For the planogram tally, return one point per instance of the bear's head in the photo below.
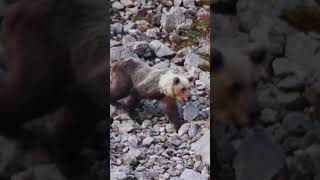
(176, 86)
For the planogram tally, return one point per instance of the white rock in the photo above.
(202, 147)
(189, 174)
(148, 140)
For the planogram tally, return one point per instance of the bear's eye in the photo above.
(183, 89)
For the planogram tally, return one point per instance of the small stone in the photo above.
(296, 123)
(193, 60)
(146, 124)
(167, 3)
(188, 3)
(190, 112)
(189, 174)
(175, 140)
(202, 147)
(148, 140)
(268, 116)
(205, 173)
(291, 83)
(118, 175)
(133, 141)
(117, 5)
(117, 28)
(127, 3)
(177, 2)
(126, 127)
(152, 32)
(160, 49)
(193, 130)
(115, 124)
(183, 129)
(174, 17)
(314, 155)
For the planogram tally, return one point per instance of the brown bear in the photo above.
(57, 62)
(235, 76)
(136, 80)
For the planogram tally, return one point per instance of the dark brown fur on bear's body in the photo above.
(57, 63)
(123, 74)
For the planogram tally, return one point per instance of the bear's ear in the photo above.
(176, 80)
(190, 78)
(216, 60)
(256, 55)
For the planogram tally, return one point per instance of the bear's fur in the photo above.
(136, 80)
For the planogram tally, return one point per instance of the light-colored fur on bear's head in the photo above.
(175, 86)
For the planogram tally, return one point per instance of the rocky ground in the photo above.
(164, 34)
(288, 129)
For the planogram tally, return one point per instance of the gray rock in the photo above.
(146, 124)
(171, 19)
(292, 143)
(176, 178)
(190, 112)
(133, 141)
(114, 43)
(193, 60)
(313, 153)
(122, 52)
(189, 174)
(183, 129)
(126, 127)
(202, 147)
(161, 65)
(167, 3)
(193, 130)
(147, 141)
(280, 134)
(127, 3)
(175, 140)
(311, 137)
(117, 5)
(296, 123)
(268, 33)
(288, 99)
(116, 28)
(205, 173)
(291, 83)
(268, 116)
(128, 26)
(284, 67)
(160, 49)
(188, 3)
(177, 2)
(153, 32)
(301, 49)
(262, 162)
(131, 155)
(205, 78)
(118, 175)
(141, 48)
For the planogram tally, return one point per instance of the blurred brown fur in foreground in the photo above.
(57, 63)
(235, 76)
